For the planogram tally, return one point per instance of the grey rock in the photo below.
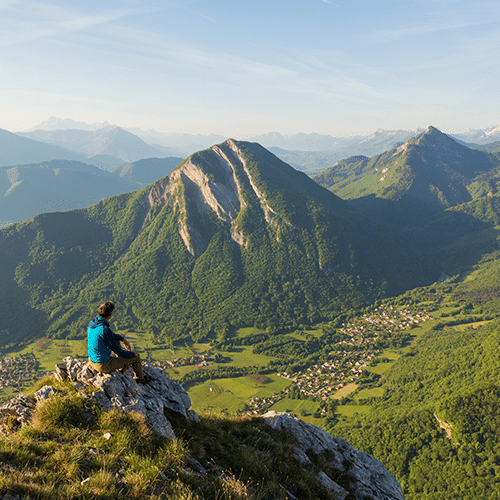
(21, 407)
(340, 493)
(45, 392)
(360, 475)
(154, 399)
(160, 424)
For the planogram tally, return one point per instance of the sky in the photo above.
(243, 68)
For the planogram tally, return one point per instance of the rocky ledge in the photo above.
(159, 396)
(349, 474)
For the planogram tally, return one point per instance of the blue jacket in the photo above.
(101, 341)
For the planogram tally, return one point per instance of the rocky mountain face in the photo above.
(346, 474)
(360, 474)
(233, 236)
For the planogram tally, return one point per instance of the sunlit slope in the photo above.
(406, 185)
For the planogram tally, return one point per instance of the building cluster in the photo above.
(17, 370)
(321, 381)
(200, 360)
(385, 320)
(351, 355)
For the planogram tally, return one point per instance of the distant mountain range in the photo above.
(17, 150)
(233, 236)
(289, 142)
(62, 185)
(480, 136)
(104, 147)
(54, 123)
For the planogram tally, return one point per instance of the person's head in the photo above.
(105, 310)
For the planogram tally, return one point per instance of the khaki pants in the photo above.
(120, 364)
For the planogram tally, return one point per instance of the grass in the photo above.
(474, 325)
(369, 393)
(64, 454)
(350, 410)
(381, 368)
(53, 352)
(302, 408)
(245, 332)
(231, 394)
(345, 391)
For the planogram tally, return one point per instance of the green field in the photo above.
(369, 393)
(302, 408)
(231, 394)
(350, 410)
(381, 368)
(345, 391)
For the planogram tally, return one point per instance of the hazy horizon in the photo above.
(216, 67)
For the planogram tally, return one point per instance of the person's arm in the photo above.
(112, 342)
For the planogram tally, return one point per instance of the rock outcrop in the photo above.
(154, 399)
(120, 391)
(350, 473)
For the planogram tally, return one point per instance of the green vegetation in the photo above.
(431, 173)
(304, 316)
(307, 258)
(65, 454)
(449, 377)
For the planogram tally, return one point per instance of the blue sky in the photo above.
(245, 68)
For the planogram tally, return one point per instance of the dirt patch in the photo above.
(260, 379)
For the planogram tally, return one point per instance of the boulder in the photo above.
(350, 473)
(21, 407)
(155, 399)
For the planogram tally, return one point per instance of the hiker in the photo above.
(101, 340)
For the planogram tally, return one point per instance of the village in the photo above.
(200, 360)
(352, 355)
(359, 346)
(17, 371)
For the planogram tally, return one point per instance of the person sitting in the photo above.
(101, 341)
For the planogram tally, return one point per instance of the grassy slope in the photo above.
(64, 454)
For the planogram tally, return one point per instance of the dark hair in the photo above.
(106, 309)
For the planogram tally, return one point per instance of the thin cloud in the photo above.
(413, 30)
(293, 76)
(52, 20)
(198, 14)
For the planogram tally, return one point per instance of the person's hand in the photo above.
(127, 345)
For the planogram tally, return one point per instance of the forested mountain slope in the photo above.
(233, 236)
(146, 171)
(435, 422)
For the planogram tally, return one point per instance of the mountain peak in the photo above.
(54, 123)
(432, 138)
